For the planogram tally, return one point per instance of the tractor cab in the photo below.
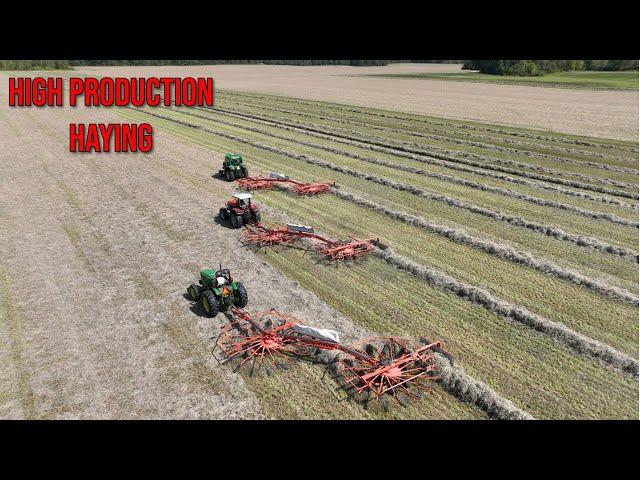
(218, 291)
(240, 200)
(232, 160)
(233, 167)
(223, 277)
(240, 211)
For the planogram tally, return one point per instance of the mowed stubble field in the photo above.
(539, 221)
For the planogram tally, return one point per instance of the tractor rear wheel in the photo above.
(210, 303)
(194, 292)
(234, 221)
(238, 222)
(230, 175)
(241, 297)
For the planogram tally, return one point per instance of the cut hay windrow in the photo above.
(446, 178)
(431, 161)
(449, 139)
(557, 331)
(466, 161)
(498, 250)
(430, 121)
(460, 236)
(548, 230)
(445, 133)
(422, 149)
(454, 379)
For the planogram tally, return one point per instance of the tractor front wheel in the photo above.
(256, 217)
(236, 221)
(210, 304)
(241, 297)
(194, 292)
(224, 215)
(230, 175)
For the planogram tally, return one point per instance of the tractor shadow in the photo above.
(223, 223)
(196, 307)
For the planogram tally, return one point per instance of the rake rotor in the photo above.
(276, 180)
(391, 368)
(259, 339)
(329, 250)
(345, 250)
(378, 368)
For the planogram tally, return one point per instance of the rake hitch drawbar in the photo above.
(378, 368)
(275, 180)
(330, 250)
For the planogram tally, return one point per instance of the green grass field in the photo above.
(588, 80)
(540, 375)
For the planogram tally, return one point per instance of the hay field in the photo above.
(517, 248)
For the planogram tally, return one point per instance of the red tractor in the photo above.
(240, 211)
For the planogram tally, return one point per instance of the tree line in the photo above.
(66, 64)
(34, 65)
(542, 67)
(227, 62)
(494, 67)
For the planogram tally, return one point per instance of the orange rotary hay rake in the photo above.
(379, 368)
(328, 250)
(276, 180)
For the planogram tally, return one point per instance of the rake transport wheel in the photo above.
(210, 304)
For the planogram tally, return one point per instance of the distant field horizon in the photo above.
(595, 113)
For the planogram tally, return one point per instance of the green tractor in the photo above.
(233, 167)
(218, 291)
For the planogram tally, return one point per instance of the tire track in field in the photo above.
(499, 250)
(548, 230)
(556, 331)
(443, 163)
(498, 130)
(392, 149)
(446, 178)
(448, 139)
